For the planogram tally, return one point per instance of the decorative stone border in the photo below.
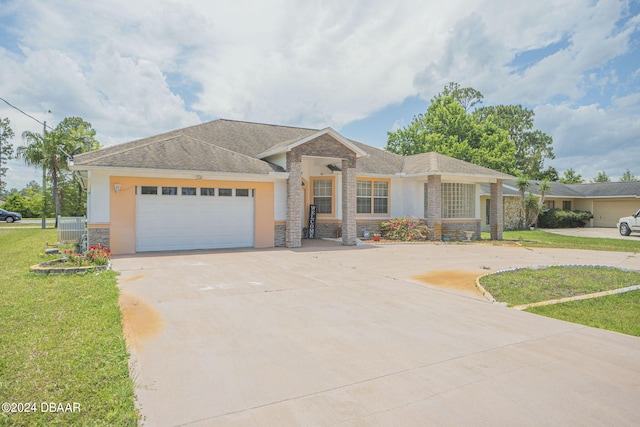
(491, 299)
(49, 267)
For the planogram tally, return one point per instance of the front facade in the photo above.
(228, 184)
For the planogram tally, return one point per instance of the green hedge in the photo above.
(558, 218)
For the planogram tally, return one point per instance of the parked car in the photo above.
(9, 216)
(628, 224)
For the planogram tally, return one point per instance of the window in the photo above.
(372, 196)
(566, 205)
(207, 191)
(363, 196)
(550, 204)
(225, 192)
(323, 195)
(458, 200)
(242, 192)
(145, 189)
(487, 207)
(188, 191)
(169, 191)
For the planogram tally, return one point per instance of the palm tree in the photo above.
(543, 187)
(522, 183)
(47, 151)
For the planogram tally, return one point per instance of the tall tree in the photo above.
(571, 177)
(447, 129)
(499, 137)
(80, 133)
(533, 147)
(602, 177)
(47, 150)
(6, 150)
(543, 187)
(52, 150)
(467, 97)
(626, 177)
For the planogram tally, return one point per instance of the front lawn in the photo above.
(61, 341)
(619, 312)
(544, 239)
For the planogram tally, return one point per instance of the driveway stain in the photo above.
(451, 279)
(140, 321)
(132, 278)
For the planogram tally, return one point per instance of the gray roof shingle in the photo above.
(233, 146)
(558, 189)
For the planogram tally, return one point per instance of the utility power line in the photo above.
(26, 114)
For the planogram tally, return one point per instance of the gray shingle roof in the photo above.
(233, 146)
(445, 165)
(558, 189)
(177, 152)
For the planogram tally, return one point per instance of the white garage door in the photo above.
(181, 218)
(606, 213)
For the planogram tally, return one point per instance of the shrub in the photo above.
(558, 218)
(405, 229)
(95, 255)
(98, 255)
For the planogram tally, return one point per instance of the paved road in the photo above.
(327, 335)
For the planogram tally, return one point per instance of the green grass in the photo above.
(619, 312)
(544, 239)
(61, 340)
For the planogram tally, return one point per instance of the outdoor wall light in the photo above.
(116, 188)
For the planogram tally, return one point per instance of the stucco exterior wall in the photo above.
(122, 212)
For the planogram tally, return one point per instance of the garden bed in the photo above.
(63, 266)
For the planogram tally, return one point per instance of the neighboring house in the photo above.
(607, 201)
(227, 184)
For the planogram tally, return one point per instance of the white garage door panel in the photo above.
(607, 213)
(193, 222)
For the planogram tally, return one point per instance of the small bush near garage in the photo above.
(558, 218)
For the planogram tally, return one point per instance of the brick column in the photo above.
(349, 230)
(497, 217)
(293, 231)
(434, 206)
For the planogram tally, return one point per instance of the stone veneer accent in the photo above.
(434, 206)
(456, 230)
(497, 214)
(370, 226)
(349, 227)
(280, 238)
(512, 208)
(98, 236)
(294, 201)
(323, 146)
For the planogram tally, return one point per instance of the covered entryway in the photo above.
(607, 213)
(183, 218)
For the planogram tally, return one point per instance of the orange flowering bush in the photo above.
(95, 255)
(405, 228)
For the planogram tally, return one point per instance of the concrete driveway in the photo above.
(595, 232)
(327, 335)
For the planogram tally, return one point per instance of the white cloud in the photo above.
(121, 64)
(591, 139)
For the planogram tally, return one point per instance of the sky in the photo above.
(136, 68)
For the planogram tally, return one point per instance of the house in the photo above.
(229, 184)
(607, 201)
